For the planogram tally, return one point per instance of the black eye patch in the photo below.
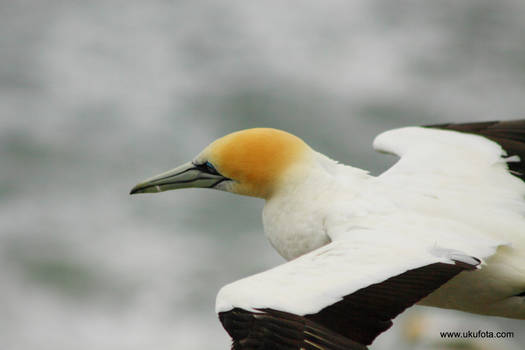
(211, 169)
(207, 168)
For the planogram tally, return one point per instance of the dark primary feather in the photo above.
(351, 323)
(510, 135)
(276, 330)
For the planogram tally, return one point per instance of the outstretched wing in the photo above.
(510, 135)
(472, 171)
(481, 153)
(340, 296)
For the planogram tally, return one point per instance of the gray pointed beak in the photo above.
(185, 176)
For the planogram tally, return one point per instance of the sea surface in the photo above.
(96, 96)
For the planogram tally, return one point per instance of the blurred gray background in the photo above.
(97, 95)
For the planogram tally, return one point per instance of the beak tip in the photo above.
(136, 189)
(145, 188)
(184, 176)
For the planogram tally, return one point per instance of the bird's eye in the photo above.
(211, 169)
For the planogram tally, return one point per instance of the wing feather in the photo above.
(510, 135)
(351, 323)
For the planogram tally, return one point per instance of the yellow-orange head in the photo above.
(257, 160)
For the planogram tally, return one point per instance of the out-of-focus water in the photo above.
(97, 95)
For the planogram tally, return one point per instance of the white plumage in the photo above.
(450, 199)
(449, 190)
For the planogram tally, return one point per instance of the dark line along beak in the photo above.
(185, 176)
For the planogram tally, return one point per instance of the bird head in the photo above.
(252, 162)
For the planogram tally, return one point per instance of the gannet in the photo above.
(444, 227)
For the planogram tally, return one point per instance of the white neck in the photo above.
(292, 218)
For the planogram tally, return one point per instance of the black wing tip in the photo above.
(468, 265)
(480, 126)
(279, 330)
